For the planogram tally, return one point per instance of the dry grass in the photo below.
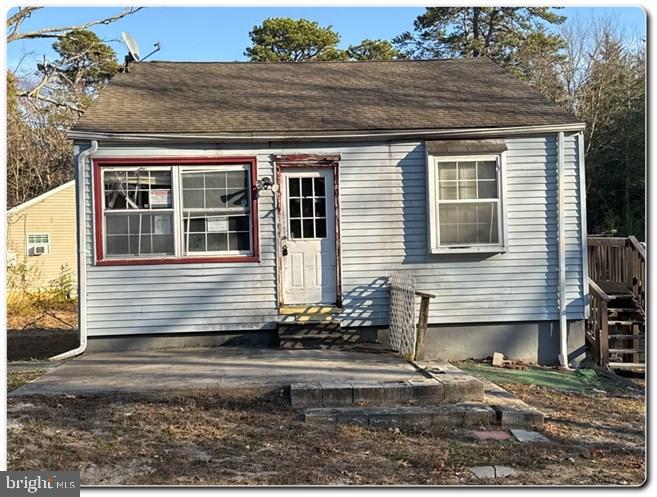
(17, 379)
(41, 328)
(43, 314)
(214, 440)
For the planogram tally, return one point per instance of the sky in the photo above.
(222, 33)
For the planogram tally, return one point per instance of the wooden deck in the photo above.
(617, 286)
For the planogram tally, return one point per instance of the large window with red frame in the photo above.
(176, 211)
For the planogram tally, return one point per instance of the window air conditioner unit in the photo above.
(39, 250)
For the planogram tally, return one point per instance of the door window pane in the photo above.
(307, 215)
(295, 207)
(308, 228)
(307, 187)
(320, 228)
(320, 207)
(307, 207)
(319, 187)
(295, 228)
(294, 188)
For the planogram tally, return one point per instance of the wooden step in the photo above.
(622, 309)
(627, 351)
(628, 365)
(612, 322)
(627, 337)
(617, 296)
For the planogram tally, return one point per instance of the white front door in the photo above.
(308, 244)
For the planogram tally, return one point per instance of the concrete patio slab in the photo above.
(189, 370)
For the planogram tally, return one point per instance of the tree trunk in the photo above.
(475, 29)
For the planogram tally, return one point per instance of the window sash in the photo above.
(38, 238)
(437, 201)
(226, 212)
(147, 236)
(177, 212)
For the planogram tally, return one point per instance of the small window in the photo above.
(38, 244)
(466, 206)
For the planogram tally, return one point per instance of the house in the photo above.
(42, 233)
(218, 198)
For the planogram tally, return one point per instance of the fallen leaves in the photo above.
(210, 440)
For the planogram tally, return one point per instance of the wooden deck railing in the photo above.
(597, 325)
(618, 264)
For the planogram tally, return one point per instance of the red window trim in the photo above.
(171, 161)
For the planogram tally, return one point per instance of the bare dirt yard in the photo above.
(41, 333)
(594, 438)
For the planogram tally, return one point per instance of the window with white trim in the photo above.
(466, 203)
(38, 244)
(176, 211)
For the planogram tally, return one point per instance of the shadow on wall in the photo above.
(549, 342)
(366, 304)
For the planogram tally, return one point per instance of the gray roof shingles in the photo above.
(243, 97)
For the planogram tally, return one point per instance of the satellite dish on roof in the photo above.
(133, 48)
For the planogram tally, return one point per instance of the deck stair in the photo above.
(616, 328)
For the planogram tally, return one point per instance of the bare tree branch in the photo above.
(14, 22)
(17, 19)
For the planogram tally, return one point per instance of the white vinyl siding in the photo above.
(383, 226)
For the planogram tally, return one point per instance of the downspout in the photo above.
(563, 322)
(82, 255)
